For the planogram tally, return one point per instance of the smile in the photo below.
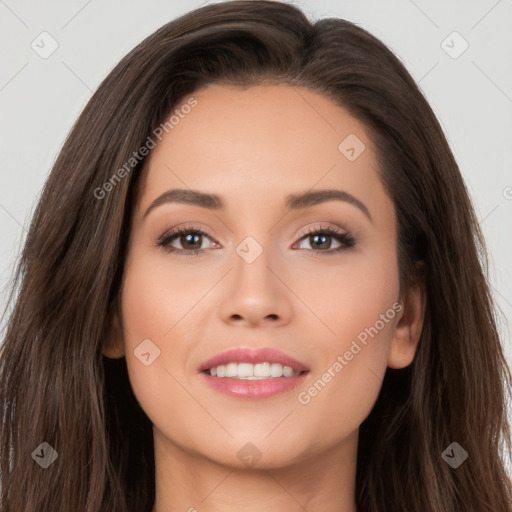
(253, 373)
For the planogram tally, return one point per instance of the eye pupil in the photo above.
(323, 237)
(190, 238)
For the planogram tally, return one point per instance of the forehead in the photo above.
(261, 143)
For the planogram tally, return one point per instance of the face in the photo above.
(316, 279)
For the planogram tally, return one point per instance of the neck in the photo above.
(189, 482)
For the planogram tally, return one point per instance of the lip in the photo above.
(254, 356)
(253, 389)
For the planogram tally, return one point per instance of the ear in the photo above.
(409, 325)
(113, 346)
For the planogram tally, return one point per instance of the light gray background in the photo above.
(471, 94)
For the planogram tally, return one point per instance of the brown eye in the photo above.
(320, 240)
(190, 241)
(183, 240)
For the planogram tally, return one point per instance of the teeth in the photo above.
(231, 369)
(262, 370)
(251, 371)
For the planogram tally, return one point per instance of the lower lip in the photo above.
(254, 389)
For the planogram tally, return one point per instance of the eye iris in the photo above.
(190, 239)
(323, 237)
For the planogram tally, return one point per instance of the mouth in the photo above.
(253, 373)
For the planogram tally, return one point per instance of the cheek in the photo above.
(155, 303)
(359, 306)
(152, 306)
(155, 299)
(348, 296)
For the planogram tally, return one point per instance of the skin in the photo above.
(253, 147)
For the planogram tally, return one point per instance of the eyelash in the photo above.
(346, 239)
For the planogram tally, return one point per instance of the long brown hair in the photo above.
(57, 387)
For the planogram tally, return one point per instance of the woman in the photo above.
(184, 333)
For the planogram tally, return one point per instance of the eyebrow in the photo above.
(293, 201)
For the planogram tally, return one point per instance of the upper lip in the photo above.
(257, 355)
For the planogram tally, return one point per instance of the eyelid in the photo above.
(317, 228)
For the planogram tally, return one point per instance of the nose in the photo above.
(257, 294)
